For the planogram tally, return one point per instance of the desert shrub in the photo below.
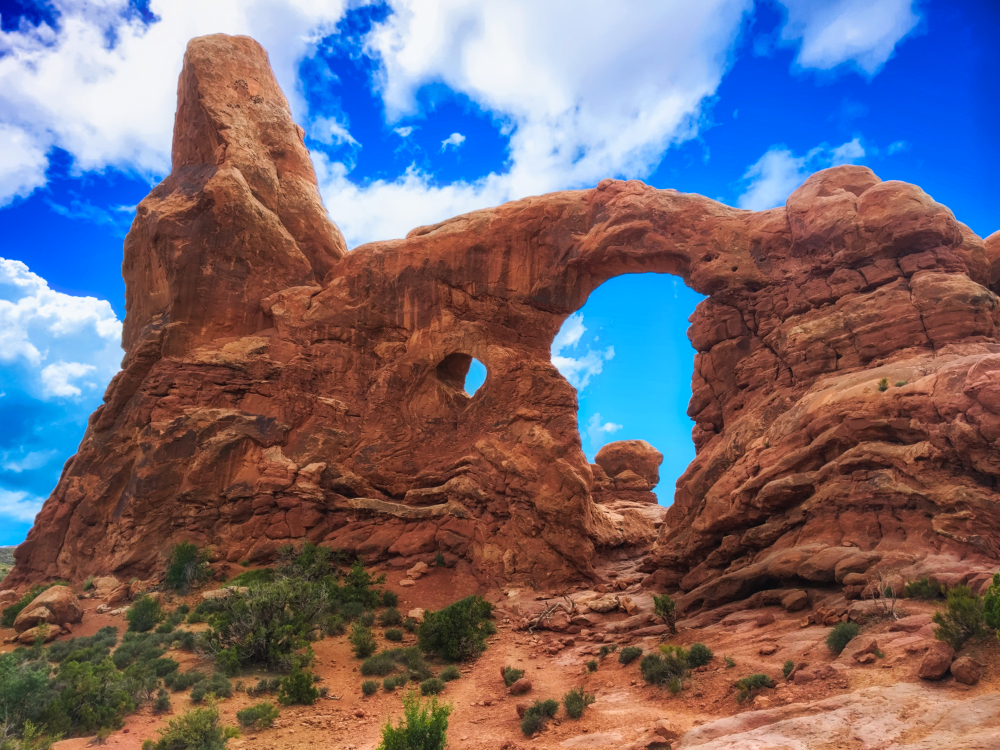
(924, 589)
(439, 560)
(253, 577)
(991, 605)
(88, 584)
(592, 665)
(162, 703)
(900, 383)
(188, 566)
(963, 619)
(94, 648)
(537, 715)
(432, 686)
(575, 701)
(216, 685)
(298, 688)
(747, 687)
(699, 655)
(265, 625)
(178, 681)
(10, 613)
(390, 616)
(410, 625)
(511, 675)
(24, 691)
(380, 664)
(729, 661)
(412, 660)
(352, 610)
(88, 697)
(390, 683)
(606, 649)
(357, 588)
(787, 667)
(423, 726)
(335, 625)
(260, 716)
(369, 687)
(265, 685)
(883, 384)
(841, 635)
(629, 654)
(198, 729)
(660, 669)
(311, 563)
(204, 610)
(666, 608)
(367, 619)
(362, 641)
(449, 673)
(390, 598)
(394, 634)
(457, 632)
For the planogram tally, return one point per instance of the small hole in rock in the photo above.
(463, 372)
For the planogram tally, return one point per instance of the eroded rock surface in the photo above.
(277, 388)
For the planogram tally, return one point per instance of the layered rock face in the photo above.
(277, 388)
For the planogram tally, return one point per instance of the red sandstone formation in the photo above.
(276, 388)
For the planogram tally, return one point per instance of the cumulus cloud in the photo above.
(332, 132)
(862, 33)
(779, 171)
(19, 505)
(599, 433)
(580, 369)
(101, 83)
(64, 342)
(403, 132)
(454, 141)
(584, 90)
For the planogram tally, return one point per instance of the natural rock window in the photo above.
(462, 372)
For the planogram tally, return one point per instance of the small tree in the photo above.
(459, 631)
(964, 618)
(187, 567)
(298, 688)
(362, 641)
(666, 608)
(423, 726)
(143, 615)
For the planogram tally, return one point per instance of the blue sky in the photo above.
(416, 111)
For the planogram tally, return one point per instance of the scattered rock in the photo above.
(603, 604)
(865, 646)
(936, 661)
(667, 730)
(417, 614)
(407, 582)
(418, 570)
(628, 606)
(795, 600)
(768, 649)
(965, 670)
(910, 624)
(763, 620)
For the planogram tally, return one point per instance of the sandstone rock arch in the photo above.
(278, 388)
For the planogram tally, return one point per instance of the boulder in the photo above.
(407, 582)
(628, 606)
(520, 687)
(30, 617)
(603, 604)
(522, 708)
(764, 620)
(667, 730)
(936, 662)
(910, 624)
(637, 456)
(29, 636)
(865, 646)
(8, 597)
(795, 600)
(418, 570)
(119, 594)
(417, 614)
(61, 603)
(965, 670)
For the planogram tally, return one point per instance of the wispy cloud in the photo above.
(19, 505)
(452, 141)
(779, 171)
(599, 433)
(580, 369)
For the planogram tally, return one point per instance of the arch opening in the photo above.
(462, 372)
(627, 354)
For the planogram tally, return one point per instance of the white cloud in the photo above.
(59, 337)
(584, 90)
(863, 33)
(598, 433)
(779, 171)
(330, 131)
(19, 505)
(28, 462)
(112, 104)
(403, 132)
(897, 146)
(578, 370)
(454, 140)
(22, 163)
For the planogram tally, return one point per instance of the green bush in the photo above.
(252, 577)
(89, 697)
(457, 632)
(335, 625)
(369, 687)
(747, 687)
(298, 688)
(88, 584)
(991, 605)
(666, 608)
(264, 685)
(410, 625)
(412, 660)
(439, 560)
(198, 729)
(358, 588)
(730, 662)
(394, 634)
(10, 613)
(261, 716)
(575, 701)
(390, 598)
(367, 619)
(660, 669)
(592, 665)
(699, 655)
(883, 384)
(379, 664)
(537, 715)
(924, 589)
(511, 675)
(362, 641)
(216, 685)
(450, 673)
(432, 686)
(787, 667)
(603, 651)
(963, 619)
(841, 635)
(178, 681)
(390, 616)
(162, 703)
(94, 648)
(390, 683)
(24, 691)
(265, 625)
(187, 567)
(423, 726)
(352, 610)
(629, 654)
